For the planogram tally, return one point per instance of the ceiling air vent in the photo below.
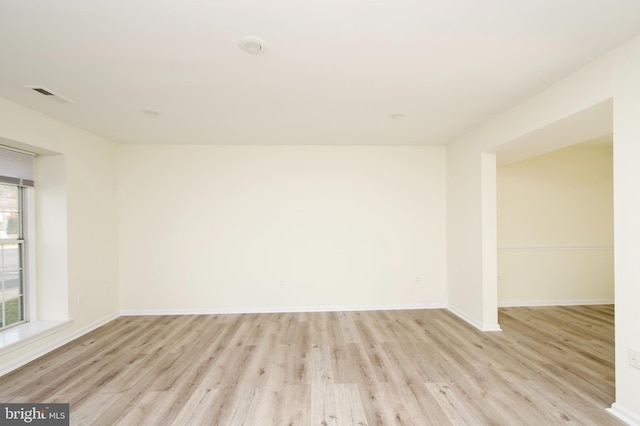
(46, 92)
(43, 91)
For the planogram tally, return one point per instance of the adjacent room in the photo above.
(555, 227)
(331, 213)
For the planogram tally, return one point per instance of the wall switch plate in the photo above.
(634, 358)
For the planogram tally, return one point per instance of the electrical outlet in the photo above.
(634, 358)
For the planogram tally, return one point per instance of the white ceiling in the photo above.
(333, 71)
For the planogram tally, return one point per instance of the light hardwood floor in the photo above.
(551, 365)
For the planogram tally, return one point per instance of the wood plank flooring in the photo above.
(550, 365)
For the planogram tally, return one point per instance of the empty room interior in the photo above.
(368, 213)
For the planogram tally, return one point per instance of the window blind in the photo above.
(16, 167)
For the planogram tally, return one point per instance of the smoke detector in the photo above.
(252, 44)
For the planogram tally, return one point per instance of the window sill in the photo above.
(24, 334)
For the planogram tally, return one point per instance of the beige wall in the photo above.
(76, 220)
(221, 228)
(626, 177)
(555, 228)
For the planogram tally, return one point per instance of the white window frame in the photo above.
(21, 241)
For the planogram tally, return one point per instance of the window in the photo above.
(11, 256)
(16, 175)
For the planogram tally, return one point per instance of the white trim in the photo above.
(623, 414)
(573, 302)
(491, 327)
(555, 248)
(29, 234)
(473, 322)
(286, 309)
(54, 345)
(64, 324)
(24, 334)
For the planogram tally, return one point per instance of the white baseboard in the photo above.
(625, 415)
(286, 309)
(571, 302)
(473, 322)
(7, 368)
(25, 359)
(491, 327)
